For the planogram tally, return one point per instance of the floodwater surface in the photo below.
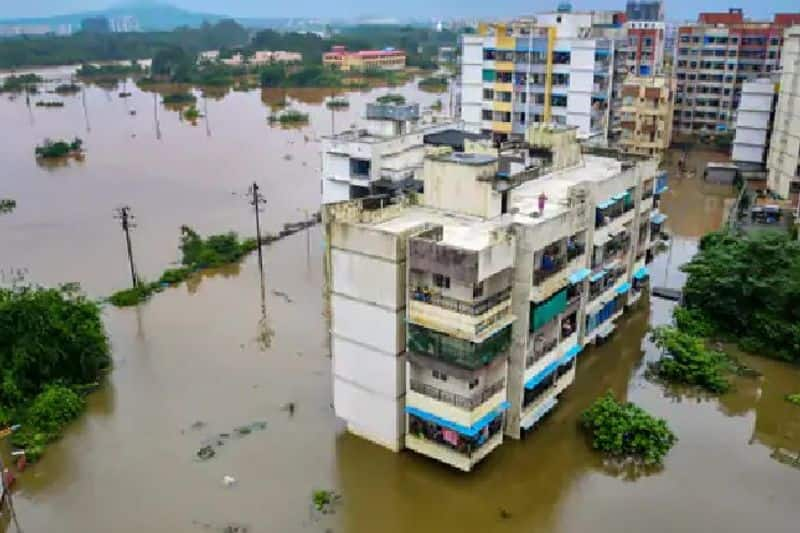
(212, 355)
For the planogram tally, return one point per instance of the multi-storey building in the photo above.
(549, 68)
(715, 56)
(754, 122)
(644, 10)
(481, 293)
(341, 58)
(784, 153)
(646, 115)
(643, 47)
(383, 157)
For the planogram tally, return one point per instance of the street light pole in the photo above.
(126, 218)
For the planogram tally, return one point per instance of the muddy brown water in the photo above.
(193, 354)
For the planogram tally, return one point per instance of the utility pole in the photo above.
(256, 201)
(126, 218)
(6, 495)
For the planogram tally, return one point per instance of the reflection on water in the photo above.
(223, 353)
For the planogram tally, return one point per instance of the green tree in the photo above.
(747, 287)
(687, 360)
(625, 430)
(48, 336)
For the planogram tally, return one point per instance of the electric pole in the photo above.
(126, 218)
(256, 201)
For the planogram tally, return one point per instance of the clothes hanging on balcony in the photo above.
(450, 436)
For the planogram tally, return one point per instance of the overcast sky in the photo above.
(676, 9)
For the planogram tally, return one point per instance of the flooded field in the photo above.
(210, 356)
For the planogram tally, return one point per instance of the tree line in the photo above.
(421, 44)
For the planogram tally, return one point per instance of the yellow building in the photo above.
(647, 105)
(342, 59)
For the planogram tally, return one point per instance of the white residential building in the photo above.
(784, 154)
(382, 157)
(754, 121)
(456, 316)
(549, 68)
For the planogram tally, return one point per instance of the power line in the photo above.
(257, 200)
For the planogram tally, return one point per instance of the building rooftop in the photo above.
(466, 158)
(452, 137)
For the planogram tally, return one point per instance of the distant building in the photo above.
(260, 57)
(714, 57)
(10, 30)
(644, 48)
(647, 104)
(124, 24)
(644, 10)
(96, 25)
(342, 59)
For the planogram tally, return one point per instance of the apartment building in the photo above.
(784, 152)
(549, 68)
(341, 58)
(481, 293)
(383, 157)
(643, 47)
(754, 122)
(715, 56)
(646, 115)
(649, 10)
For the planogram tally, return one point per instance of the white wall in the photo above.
(334, 191)
(368, 278)
(752, 119)
(373, 417)
(743, 152)
(368, 324)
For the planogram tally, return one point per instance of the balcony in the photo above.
(456, 351)
(469, 403)
(462, 458)
(473, 321)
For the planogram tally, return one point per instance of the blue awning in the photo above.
(579, 275)
(658, 218)
(541, 411)
(541, 376)
(662, 189)
(641, 273)
(606, 204)
(570, 354)
(619, 196)
(597, 276)
(471, 431)
(625, 287)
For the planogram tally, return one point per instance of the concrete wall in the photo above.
(454, 187)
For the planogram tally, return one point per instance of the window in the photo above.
(486, 114)
(477, 290)
(473, 383)
(441, 281)
(488, 94)
(439, 375)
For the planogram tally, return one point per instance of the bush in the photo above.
(625, 430)
(794, 398)
(687, 360)
(173, 276)
(180, 98)
(132, 296)
(214, 251)
(48, 336)
(747, 287)
(7, 205)
(392, 98)
(43, 421)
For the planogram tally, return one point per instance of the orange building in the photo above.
(342, 59)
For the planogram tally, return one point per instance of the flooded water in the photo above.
(196, 354)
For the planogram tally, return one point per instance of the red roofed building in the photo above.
(714, 57)
(342, 59)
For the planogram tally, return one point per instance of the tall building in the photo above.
(456, 316)
(646, 115)
(784, 153)
(643, 47)
(650, 10)
(549, 68)
(754, 123)
(383, 157)
(97, 24)
(715, 56)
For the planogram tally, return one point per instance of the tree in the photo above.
(626, 431)
(48, 336)
(747, 287)
(172, 63)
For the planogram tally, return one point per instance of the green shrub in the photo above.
(173, 276)
(214, 251)
(391, 98)
(132, 296)
(794, 398)
(53, 408)
(686, 359)
(626, 431)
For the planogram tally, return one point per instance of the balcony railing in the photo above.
(457, 351)
(539, 351)
(464, 402)
(466, 308)
(541, 274)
